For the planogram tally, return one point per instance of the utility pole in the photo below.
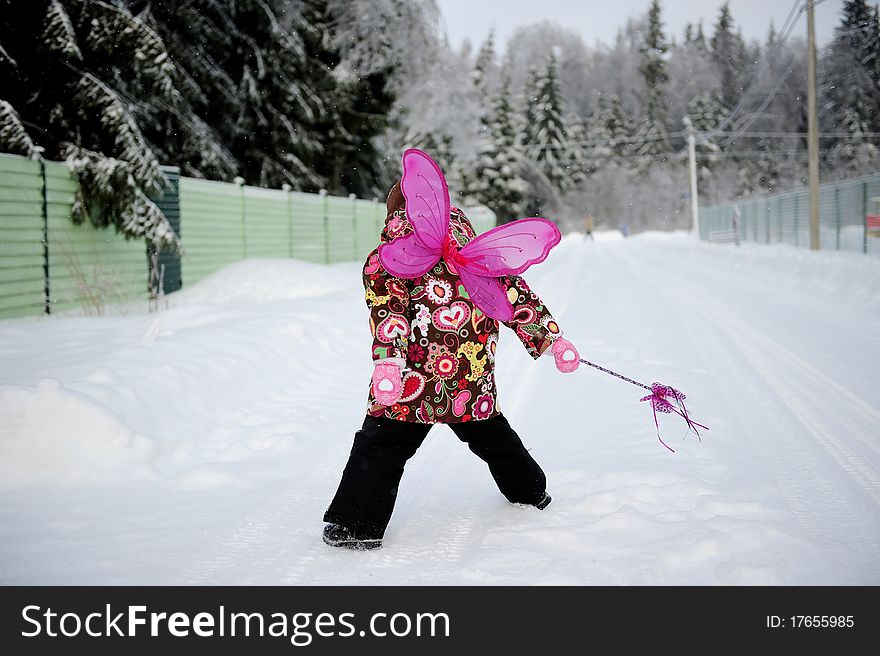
(812, 128)
(692, 170)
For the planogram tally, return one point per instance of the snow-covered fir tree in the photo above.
(706, 112)
(619, 127)
(251, 70)
(498, 183)
(651, 143)
(851, 88)
(530, 98)
(439, 147)
(74, 93)
(578, 162)
(690, 73)
(356, 104)
(694, 37)
(766, 168)
(599, 147)
(373, 40)
(485, 73)
(13, 135)
(203, 145)
(546, 141)
(728, 53)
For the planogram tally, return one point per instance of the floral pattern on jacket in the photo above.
(447, 342)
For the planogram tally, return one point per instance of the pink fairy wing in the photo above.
(510, 249)
(407, 257)
(487, 293)
(427, 198)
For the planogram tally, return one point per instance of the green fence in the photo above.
(48, 264)
(848, 214)
(223, 222)
(22, 253)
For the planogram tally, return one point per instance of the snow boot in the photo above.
(340, 536)
(544, 502)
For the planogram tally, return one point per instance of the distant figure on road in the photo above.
(589, 227)
(624, 229)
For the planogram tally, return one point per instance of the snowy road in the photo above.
(203, 444)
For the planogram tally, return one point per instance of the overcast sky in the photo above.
(599, 20)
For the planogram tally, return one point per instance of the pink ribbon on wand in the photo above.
(661, 398)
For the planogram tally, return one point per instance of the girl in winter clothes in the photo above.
(434, 362)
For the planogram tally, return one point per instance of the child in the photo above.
(434, 362)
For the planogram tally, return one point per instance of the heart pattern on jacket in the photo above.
(451, 318)
(392, 326)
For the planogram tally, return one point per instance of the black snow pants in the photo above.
(365, 498)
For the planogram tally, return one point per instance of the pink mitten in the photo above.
(566, 355)
(387, 382)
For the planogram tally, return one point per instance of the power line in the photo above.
(633, 140)
(796, 134)
(787, 28)
(757, 114)
(678, 155)
(855, 30)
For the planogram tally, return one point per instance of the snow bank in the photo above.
(259, 280)
(144, 392)
(50, 434)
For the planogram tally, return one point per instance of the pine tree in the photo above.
(485, 70)
(70, 89)
(13, 135)
(851, 88)
(482, 77)
(706, 111)
(689, 33)
(767, 168)
(498, 183)
(700, 39)
(352, 108)
(255, 88)
(546, 140)
(650, 135)
(578, 163)
(694, 39)
(196, 146)
(599, 147)
(530, 99)
(772, 38)
(728, 53)
(620, 128)
(365, 102)
(331, 134)
(439, 147)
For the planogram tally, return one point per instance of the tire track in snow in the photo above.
(832, 512)
(798, 489)
(783, 371)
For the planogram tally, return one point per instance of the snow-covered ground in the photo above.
(202, 444)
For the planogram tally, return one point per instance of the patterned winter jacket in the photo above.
(447, 342)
